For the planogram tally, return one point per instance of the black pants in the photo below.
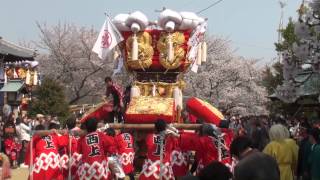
(131, 176)
(116, 114)
(23, 152)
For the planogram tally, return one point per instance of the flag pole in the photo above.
(70, 156)
(110, 19)
(31, 154)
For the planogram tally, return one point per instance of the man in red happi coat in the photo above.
(43, 155)
(94, 148)
(203, 143)
(126, 152)
(154, 141)
(70, 152)
(116, 92)
(180, 159)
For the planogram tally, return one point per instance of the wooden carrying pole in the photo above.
(127, 126)
(151, 126)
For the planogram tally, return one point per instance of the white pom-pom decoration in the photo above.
(139, 18)
(190, 20)
(135, 27)
(169, 15)
(120, 22)
(170, 25)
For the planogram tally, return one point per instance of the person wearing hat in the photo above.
(284, 150)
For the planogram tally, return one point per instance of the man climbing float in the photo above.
(117, 95)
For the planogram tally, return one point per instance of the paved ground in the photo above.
(19, 174)
(22, 174)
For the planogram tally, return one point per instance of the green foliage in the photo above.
(280, 108)
(288, 36)
(49, 99)
(272, 77)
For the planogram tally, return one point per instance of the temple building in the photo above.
(18, 74)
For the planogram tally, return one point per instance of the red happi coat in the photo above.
(207, 148)
(12, 148)
(45, 156)
(203, 145)
(71, 149)
(227, 139)
(180, 160)
(126, 151)
(94, 148)
(151, 166)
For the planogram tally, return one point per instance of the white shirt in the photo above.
(23, 131)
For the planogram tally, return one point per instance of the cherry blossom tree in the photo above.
(231, 83)
(305, 52)
(302, 54)
(66, 56)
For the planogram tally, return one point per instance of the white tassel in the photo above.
(135, 48)
(28, 77)
(15, 75)
(134, 92)
(35, 78)
(199, 53)
(177, 95)
(154, 90)
(170, 49)
(5, 77)
(204, 52)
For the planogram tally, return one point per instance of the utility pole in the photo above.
(282, 4)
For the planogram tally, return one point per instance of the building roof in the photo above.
(13, 52)
(12, 86)
(307, 84)
(310, 84)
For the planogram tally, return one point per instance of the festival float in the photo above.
(158, 54)
(25, 73)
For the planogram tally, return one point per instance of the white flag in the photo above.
(195, 40)
(198, 34)
(108, 38)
